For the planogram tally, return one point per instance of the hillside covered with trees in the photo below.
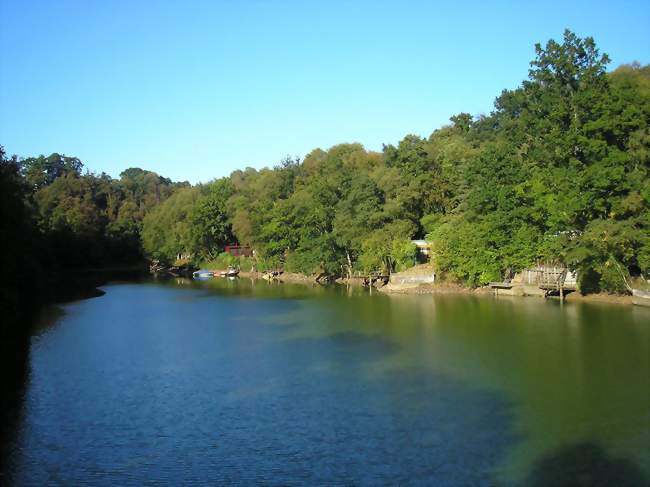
(558, 171)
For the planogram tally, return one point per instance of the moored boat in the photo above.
(640, 298)
(202, 274)
(231, 272)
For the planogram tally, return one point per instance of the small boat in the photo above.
(231, 272)
(640, 298)
(202, 274)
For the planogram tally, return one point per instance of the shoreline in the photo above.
(450, 288)
(444, 288)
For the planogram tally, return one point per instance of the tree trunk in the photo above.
(347, 254)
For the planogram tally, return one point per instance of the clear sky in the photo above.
(194, 90)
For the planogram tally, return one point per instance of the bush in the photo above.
(611, 279)
(404, 254)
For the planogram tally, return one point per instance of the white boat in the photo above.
(230, 273)
(202, 274)
(640, 298)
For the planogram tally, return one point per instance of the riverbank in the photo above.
(423, 279)
(450, 288)
(401, 286)
(290, 277)
(446, 287)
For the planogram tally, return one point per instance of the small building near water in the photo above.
(415, 276)
(543, 274)
(423, 249)
(239, 250)
(542, 280)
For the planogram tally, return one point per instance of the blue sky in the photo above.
(194, 90)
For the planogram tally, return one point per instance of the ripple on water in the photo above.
(156, 385)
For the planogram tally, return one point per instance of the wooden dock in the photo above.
(550, 279)
(557, 279)
(500, 285)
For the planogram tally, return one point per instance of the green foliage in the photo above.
(431, 222)
(220, 262)
(54, 219)
(561, 174)
(404, 253)
(465, 250)
(557, 172)
(389, 248)
(605, 252)
(18, 244)
(42, 171)
(167, 228)
(210, 229)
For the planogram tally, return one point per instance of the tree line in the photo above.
(55, 218)
(557, 172)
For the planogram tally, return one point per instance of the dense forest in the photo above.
(558, 171)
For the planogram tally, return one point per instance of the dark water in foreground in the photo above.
(228, 382)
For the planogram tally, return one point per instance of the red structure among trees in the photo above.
(239, 250)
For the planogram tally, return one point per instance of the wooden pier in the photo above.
(551, 279)
(500, 285)
(557, 279)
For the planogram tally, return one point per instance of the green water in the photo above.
(575, 373)
(287, 384)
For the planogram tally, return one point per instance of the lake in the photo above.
(246, 382)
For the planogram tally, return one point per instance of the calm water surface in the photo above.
(240, 382)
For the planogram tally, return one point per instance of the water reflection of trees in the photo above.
(14, 377)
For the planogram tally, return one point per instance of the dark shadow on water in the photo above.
(399, 426)
(584, 465)
(15, 354)
(65, 295)
(14, 377)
